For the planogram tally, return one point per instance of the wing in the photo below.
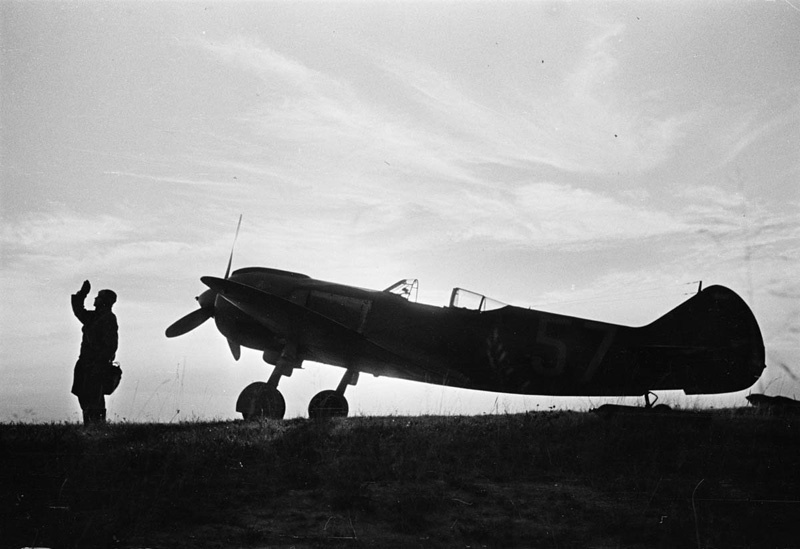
(324, 336)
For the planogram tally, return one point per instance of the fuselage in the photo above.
(510, 349)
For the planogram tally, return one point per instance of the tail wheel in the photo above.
(328, 404)
(258, 400)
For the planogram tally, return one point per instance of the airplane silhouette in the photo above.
(711, 343)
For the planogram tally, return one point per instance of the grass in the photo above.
(551, 479)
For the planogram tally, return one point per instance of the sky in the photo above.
(595, 159)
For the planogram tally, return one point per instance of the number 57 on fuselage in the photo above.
(711, 343)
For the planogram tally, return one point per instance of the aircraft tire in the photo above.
(326, 404)
(259, 401)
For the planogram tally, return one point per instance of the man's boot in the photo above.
(94, 417)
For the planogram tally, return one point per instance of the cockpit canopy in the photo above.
(464, 299)
(460, 298)
(405, 288)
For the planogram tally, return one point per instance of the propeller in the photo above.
(230, 259)
(195, 318)
(236, 350)
(189, 322)
(206, 310)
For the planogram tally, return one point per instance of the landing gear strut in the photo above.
(330, 403)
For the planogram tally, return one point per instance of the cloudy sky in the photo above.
(591, 159)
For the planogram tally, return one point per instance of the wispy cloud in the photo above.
(476, 132)
(40, 232)
(309, 119)
(745, 126)
(363, 174)
(545, 214)
(171, 180)
(251, 55)
(590, 125)
(612, 129)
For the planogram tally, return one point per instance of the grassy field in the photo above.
(727, 478)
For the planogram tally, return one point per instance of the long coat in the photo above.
(98, 347)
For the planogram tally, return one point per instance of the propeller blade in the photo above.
(236, 350)
(230, 259)
(189, 322)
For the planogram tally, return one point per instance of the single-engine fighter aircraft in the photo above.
(709, 344)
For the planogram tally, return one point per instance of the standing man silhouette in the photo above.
(98, 348)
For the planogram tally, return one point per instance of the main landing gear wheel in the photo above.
(259, 400)
(328, 404)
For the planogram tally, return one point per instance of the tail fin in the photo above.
(712, 342)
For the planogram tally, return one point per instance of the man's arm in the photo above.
(77, 302)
